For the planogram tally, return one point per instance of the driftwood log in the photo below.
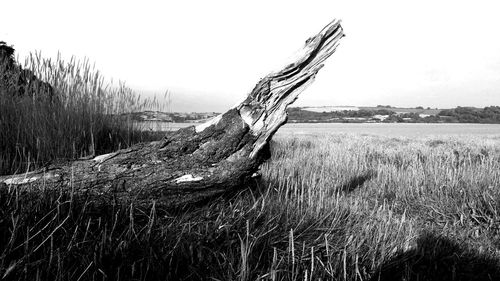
(197, 162)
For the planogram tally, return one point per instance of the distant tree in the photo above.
(432, 119)
(393, 119)
(411, 117)
(446, 112)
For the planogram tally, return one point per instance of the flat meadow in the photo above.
(326, 207)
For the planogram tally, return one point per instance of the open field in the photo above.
(410, 130)
(384, 129)
(327, 207)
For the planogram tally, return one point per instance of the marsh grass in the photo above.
(338, 207)
(82, 117)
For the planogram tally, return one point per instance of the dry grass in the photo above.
(81, 118)
(339, 207)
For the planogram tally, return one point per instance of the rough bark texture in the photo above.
(193, 163)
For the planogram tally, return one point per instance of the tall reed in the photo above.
(83, 115)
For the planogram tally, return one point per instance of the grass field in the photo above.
(327, 207)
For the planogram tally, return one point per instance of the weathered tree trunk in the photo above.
(193, 163)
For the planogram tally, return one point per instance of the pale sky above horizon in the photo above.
(210, 54)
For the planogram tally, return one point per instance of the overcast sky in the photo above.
(210, 54)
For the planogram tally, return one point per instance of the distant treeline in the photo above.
(298, 115)
(175, 117)
(489, 114)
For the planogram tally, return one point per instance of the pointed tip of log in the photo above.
(276, 91)
(264, 109)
